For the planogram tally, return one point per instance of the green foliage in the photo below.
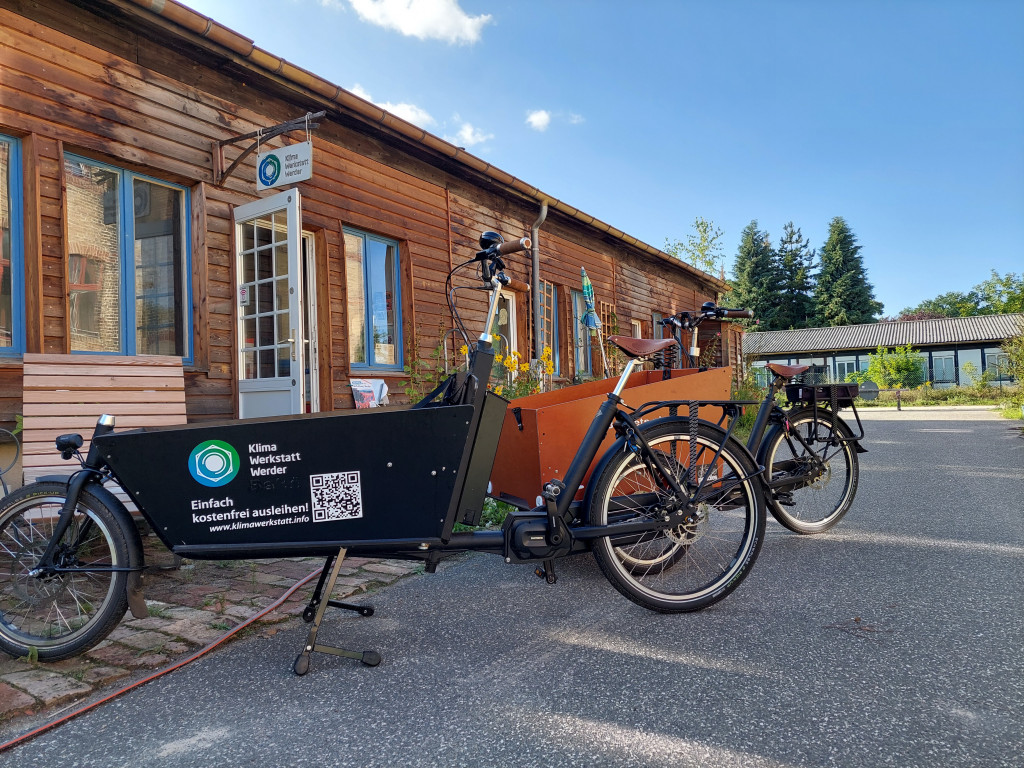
(756, 278)
(1014, 349)
(899, 368)
(425, 374)
(999, 295)
(748, 389)
(795, 262)
(702, 248)
(843, 295)
(492, 516)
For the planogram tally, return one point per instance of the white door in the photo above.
(270, 316)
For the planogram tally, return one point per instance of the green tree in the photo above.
(1014, 349)
(951, 304)
(842, 294)
(795, 262)
(756, 280)
(998, 295)
(702, 248)
(899, 368)
(1001, 295)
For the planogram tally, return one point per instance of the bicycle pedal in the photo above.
(547, 572)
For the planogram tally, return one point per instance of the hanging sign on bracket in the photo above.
(284, 166)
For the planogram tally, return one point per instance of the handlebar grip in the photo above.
(514, 246)
(735, 312)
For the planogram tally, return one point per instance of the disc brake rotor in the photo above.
(695, 526)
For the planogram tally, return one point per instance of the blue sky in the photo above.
(904, 117)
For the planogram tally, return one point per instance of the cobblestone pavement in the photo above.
(190, 606)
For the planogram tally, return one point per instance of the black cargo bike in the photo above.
(674, 512)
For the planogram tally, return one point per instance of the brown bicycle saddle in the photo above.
(640, 347)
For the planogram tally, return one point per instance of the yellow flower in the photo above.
(524, 367)
(510, 363)
(497, 390)
(546, 354)
(463, 350)
(498, 358)
(549, 368)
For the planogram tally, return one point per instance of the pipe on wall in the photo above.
(538, 338)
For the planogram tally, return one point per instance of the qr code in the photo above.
(336, 496)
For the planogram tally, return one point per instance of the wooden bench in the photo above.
(67, 393)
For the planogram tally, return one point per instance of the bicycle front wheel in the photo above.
(686, 566)
(66, 612)
(813, 471)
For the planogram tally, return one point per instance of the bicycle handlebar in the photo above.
(725, 312)
(513, 246)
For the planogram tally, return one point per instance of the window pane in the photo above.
(381, 266)
(6, 254)
(94, 264)
(159, 269)
(355, 299)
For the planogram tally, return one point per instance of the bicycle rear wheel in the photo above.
(64, 613)
(687, 566)
(821, 493)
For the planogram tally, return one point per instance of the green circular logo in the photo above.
(269, 170)
(213, 463)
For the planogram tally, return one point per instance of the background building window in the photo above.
(999, 365)
(943, 370)
(549, 321)
(12, 293)
(580, 336)
(128, 265)
(374, 301)
(635, 329)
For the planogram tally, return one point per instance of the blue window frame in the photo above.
(580, 335)
(373, 295)
(12, 252)
(129, 264)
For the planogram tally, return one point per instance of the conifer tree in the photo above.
(756, 280)
(842, 293)
(795, 265)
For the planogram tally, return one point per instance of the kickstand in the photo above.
(314, 612)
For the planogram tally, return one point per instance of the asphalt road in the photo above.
(897, 639)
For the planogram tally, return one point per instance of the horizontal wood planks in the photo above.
(97, 85)
(68, 393)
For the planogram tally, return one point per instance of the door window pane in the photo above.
(266, 351)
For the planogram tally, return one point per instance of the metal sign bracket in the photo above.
(264, 134)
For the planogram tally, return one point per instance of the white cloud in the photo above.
(575, 119)
(538, 119)
(469, 136)
(425, 19)
(412, 113)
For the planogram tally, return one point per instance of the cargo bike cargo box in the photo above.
(309, 484)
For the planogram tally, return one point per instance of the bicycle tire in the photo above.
(715, 550)
(58, 616)
(819, 503)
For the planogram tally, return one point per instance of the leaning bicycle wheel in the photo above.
(823, 469)
(66, 612)
(696, 560)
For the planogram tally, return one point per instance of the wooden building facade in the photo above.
(123, 235)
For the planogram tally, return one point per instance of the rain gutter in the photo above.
(219, 35)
